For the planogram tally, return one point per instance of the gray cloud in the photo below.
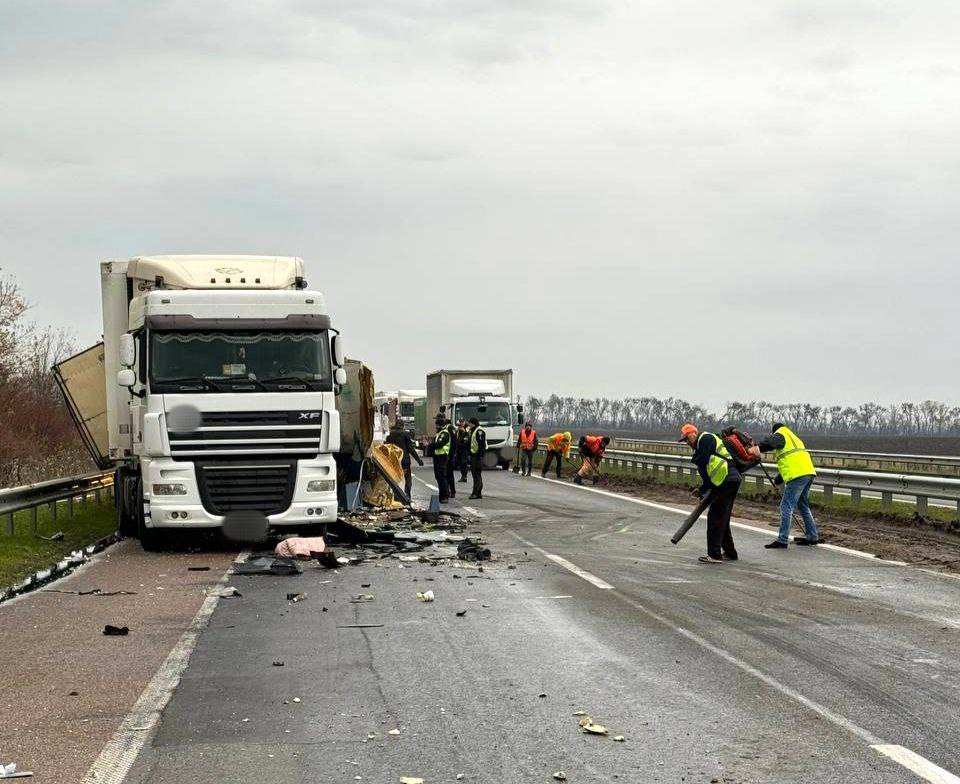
(482, 174)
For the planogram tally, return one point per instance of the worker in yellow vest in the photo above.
(720, 478)
(796, 472)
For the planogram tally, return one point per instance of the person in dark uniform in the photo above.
(452, 460)
(463, 449)
(441, 454)
(478, 445)
(402, 439)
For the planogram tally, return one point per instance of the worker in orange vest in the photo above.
(526, 446)
(591, 450)
(558, 447)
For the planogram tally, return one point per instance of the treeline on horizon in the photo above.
(663, 415)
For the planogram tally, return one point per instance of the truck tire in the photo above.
(151, 539)
(505, 465)
(126, 522)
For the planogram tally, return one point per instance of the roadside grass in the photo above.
(839, 505)
(24, 553)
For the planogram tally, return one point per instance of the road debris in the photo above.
(470, 550)
(588, 726)
(362, 597)
(393, 732)
(410, 780)
(57, 537)
(226, 592)
(300, 547)
(560, 776)
(198, 568)
(425, 596)
(278, 663)
(92, 592)
(619, 738)
(359, 625)
(461, 613)
(266, 565)
(9, 771)
(115, 631)
(296, 597)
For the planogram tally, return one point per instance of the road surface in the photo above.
(799, 665)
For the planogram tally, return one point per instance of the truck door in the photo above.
(82, 380)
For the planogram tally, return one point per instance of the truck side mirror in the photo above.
(340, 376)
(126, 378)
(128, 350)
(336, 347)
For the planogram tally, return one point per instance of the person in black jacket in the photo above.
(452, 459)
(441, 454)
(463, 449)
(402, 439)
(478, 445)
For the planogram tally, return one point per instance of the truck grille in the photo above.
(230, 487)
(250, 434)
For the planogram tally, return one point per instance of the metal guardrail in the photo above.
(887, 485)
(51, 493)
(937, 465)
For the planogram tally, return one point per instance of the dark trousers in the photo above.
(451, 467)
(526, 461)
(463, 463)
(407, 480)
(440, 474)
(719, 538)
(476, 469)
(549, 459)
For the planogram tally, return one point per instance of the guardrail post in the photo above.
(759, 479)
(886, 501)
(97, 495)
(53, 509)
(10, 522)
(921, 504)
(855, 496)
(33, 519)
(70, 506)
(827, 493)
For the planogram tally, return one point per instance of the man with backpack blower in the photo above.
(796, 472)
(721, 479)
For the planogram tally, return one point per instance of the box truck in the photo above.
(213, 392)
(484, 394)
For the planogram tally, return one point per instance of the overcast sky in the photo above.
(709, 200)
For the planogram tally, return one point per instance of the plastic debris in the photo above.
(266, 564)
(300, 547)
(115, 631)
(198, 568)
(393, 732)
(560, 776)
(362, 597)
(278, 663)
(410, 780)
(619, 738)
(9, 771)
(296, 597)
(425, 596)
(227, 592)
(461, 613)
(588, 726)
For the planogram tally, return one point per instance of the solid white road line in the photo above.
(118, 756)
(432, 487)
(582, 573)
(914, 762)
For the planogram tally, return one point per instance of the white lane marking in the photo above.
(919, 765)
(583, 574)
(553, 597)
(432, 487)
(744, 526)
(118, 756)
(473, 511)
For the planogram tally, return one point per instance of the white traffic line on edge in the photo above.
(432, 487)
(744, 526)
(118, 756)
(572, 567)
(919, 765)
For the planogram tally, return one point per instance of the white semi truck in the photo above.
(484, 394)
(213, 392)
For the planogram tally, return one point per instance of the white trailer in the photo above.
(219, 375)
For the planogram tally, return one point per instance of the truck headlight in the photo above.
(170, 489)
(321, 485)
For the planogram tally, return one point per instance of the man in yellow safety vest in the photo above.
(719, 477)
(796, 472)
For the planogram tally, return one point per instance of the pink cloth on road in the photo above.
(300, 547)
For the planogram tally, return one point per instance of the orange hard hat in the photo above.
(687, 430)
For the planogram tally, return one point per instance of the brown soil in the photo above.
(919, 541)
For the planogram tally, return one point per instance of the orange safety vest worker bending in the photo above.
(558, 447)
(591, 450)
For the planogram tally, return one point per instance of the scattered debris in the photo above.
(619, 738)
(92, 592)
(296, 699)
(362, 597)
(296, 597)
(278, 663)
(470, 550)
(393, 732)
(226, 592)
(266, 564)
(560, 776)
(9, 771)
(74, 694)
(115, 631)
(410, 780)
(57, 537)
(425, 596)
(461, 613)
(198, 568)
(364, 585)
(580, 713)
(587, 725)
(542, 695)
(301, 548)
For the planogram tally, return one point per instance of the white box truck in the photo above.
(484, 394)
(213, 392)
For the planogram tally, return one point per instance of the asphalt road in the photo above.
(807, 664)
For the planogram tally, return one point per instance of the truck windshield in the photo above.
(240, 361)
(406, 409)
(489, 414)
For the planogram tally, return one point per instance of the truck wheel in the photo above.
(126, 522)
(505, 465)
(151, 539)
